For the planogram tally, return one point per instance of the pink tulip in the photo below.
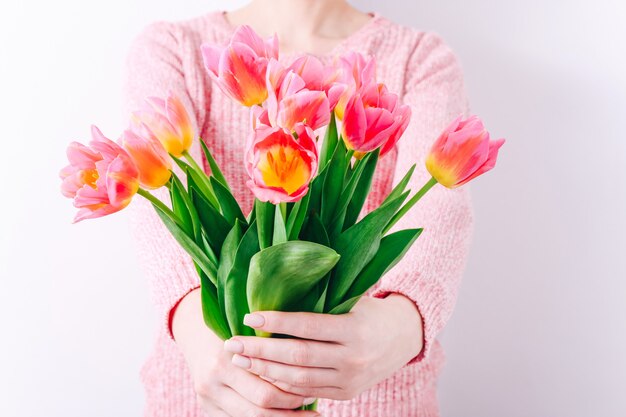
(356, 71)
(462, 152)
(150, 157)
(290, 102)
(279, 165)
(239, 68)
(374, 118)
(168, 121)
(320, 77)
(102, 178)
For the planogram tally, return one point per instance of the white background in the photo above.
(540, 327)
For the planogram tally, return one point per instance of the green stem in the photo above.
(312, 407)
(192, 161)
(409, 204)
(148, 196)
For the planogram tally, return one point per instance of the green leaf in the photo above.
(265, 222)
(357, 246)
(228, 203)
(315, 231)
(233, 279)
(215, 169)
(227, 259)
(282, 275)
(184, 208)
(214, 224)
(188, 244)
(180, 208)
(211, 311)
(361, 190)
(399, 188)
(332, 188)
(336, 226)
(199, 180)
(280, 232)
(392, 249)
(296, 217)
(330, 142)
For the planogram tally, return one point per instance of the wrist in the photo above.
(411, 329)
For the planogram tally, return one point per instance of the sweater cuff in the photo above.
(169, 313)
(426, 303)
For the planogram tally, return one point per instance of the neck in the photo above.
(300, 18)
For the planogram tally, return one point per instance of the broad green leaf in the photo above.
(211, 311)
(282, 275)
(296, 217)
(184, 208)
(357, 246)
(361, 190)
(214, 224)
(230, 206)
(188, 244)
(392, 249)
(215, 169)
(180, 208)
(315, 231)
(280, 233)
(345, 306)
(333, 186)
(330, 142)
(235, 280)
(265, 222)
(199, 180)
(227, 259)
(336, 225)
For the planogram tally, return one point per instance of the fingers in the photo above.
(293, 375)
(289, 351)
(314, 326)
(261, 393)
(211, 409)
(332, 393)
(236, 406)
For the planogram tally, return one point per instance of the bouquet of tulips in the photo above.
(304, 246)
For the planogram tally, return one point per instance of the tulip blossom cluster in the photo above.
(304, 245)
(103, 177)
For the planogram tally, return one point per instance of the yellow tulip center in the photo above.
(89, 177)
(283, 167)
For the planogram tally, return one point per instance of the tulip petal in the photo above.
(354, 123)
(489, 164)
(309, 107)
(211, 58)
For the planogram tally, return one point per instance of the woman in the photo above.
(380, 360)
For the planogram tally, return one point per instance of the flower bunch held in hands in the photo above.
(304, 246)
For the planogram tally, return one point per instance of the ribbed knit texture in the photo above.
(424, 71)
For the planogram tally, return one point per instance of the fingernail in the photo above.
(308, 401)
(233, 346)
(253, 320)
(241, 361)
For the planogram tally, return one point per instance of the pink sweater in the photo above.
(416, 64)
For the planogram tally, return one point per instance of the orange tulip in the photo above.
(150, 157)
(168, 121)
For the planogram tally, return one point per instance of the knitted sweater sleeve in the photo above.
(154, 68)
(430, 272)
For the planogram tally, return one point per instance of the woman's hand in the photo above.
(222, 388)
(342, 356)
